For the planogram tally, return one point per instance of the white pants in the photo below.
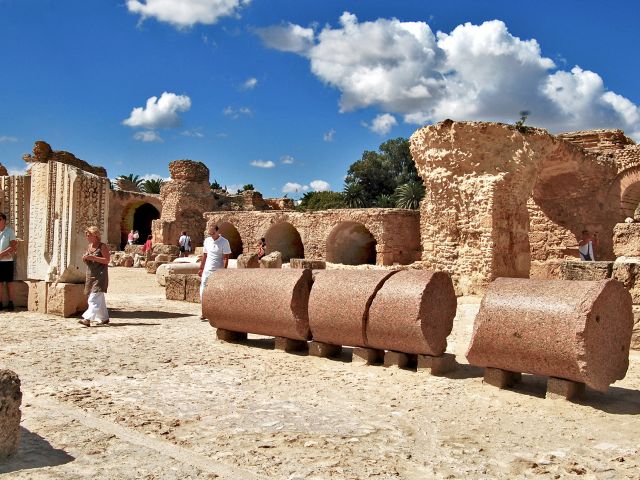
(203, 282)
(97, 307)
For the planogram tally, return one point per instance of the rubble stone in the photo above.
(248, 260)
(312, 264)
(10, 400)
(272, 260)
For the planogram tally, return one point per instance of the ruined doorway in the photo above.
(351, 243)
(284, 238)
(142, 218)
(228, 231)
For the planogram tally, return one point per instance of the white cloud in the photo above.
(236, 112)
(263, 164)
(328, 137)
(155, 176)
(474, 72)
(287, 38)
(319, 185)
(196, 133)
(287, 159)
(383, 124)
(148, 136)
(250, 84)
(186, 13)
(7, 139)
(292, 187)
(159, 112)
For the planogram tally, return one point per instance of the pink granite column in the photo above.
(263, 301)
(339, 304)
(576, 330)
(413, 313)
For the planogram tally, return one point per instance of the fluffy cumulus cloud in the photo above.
(474, 72)
(250, 84)
(315, 185)
(263, 164)
(237, 112)
(148, 136)
(186, 13)
(160, 112)
(383, 124)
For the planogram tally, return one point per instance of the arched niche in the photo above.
(138, 216)
(351, 243)
(228, 231)
(284, 238)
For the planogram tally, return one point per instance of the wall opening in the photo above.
(228, 231)
(351, 243)
(284, 238)
(137, 216)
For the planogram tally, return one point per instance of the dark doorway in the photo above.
(142, 218)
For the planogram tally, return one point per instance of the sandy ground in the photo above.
(155, 396)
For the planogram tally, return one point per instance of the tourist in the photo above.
(7, 249)
(587, 245)
(262, 248)
(130, 238)
(215, 255)
(184, 242)
(97, 259)
(136, 236)
(146, 249)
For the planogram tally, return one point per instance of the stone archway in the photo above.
(628, 189)
(351, 243)
(284, 238)
(137, 216)
(230, 232)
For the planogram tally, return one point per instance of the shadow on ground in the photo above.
(34, 452)
(149, 314)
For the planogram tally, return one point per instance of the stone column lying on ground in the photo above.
(10, 400)
(163, 271)
(575, 330)
(262, 301)
(413, 313)
(339, 304)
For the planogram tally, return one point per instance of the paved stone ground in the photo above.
(154, 396)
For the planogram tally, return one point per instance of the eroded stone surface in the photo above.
(313, 264)
(248, 260)
(10, 400)
(577, 270)
(576, 330)
(273, 260)
(163, 271)
(42, 153)
(339, 304)
(259, 300)
(412, 313)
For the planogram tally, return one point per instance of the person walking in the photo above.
(586, 246)
(184, 242)
(97, 260)
(215, 255)
(8, 245)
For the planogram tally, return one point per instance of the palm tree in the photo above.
(354, 195)
(385, 201)
(152, 185)
(409, 195)
(131, 182)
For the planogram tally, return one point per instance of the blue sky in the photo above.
(287, 94)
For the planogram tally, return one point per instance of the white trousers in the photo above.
(203, 282)
(97, 307)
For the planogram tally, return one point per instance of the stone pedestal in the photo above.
(440, 365)
(175, 287)
(561, 389)
(62, 299)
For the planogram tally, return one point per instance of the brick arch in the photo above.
(351, 243)
(230, 232)
(626, 192)
(283, 237)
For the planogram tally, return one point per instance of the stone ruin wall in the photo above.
(499, 198)
(394, 230)
(122, 206)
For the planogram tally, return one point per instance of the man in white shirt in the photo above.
(8, 246)
(215, 255)
(184, 242)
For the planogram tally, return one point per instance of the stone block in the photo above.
(626, 240)
(37, 296)
(133, 249)
(412, 313)
(192, 288)
(399, 359)
(577, 330)
(577, 270)
(230, 336)
(366, 356)
(312, 264)
(248, 260)
(162, 249)
(10, 400)
(559, 388)
(175, 287)
(290, 345)
(184, 268)
(152, 266)
(259, 300)
(66, 299)
(127, 261)
(440, 365)
(627, 271)
(326, 350)
(273, 260)
(163, 257)
(501, 378)
(339, 304)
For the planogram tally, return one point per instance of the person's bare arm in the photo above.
(202, 263)
(7, 252)
(225, 259)
(104, 259)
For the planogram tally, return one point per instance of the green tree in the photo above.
(322, 201)
(385, 201)
(380, 173)
(215, 185)
(129, 182)
(152, 185)
(409, 195)
(248, 186)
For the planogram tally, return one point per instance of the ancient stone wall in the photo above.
(498, 196)
(184, 200)
(15, 196)
(42, 153)
(64, 202)
(375, 235)
(122, 208)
